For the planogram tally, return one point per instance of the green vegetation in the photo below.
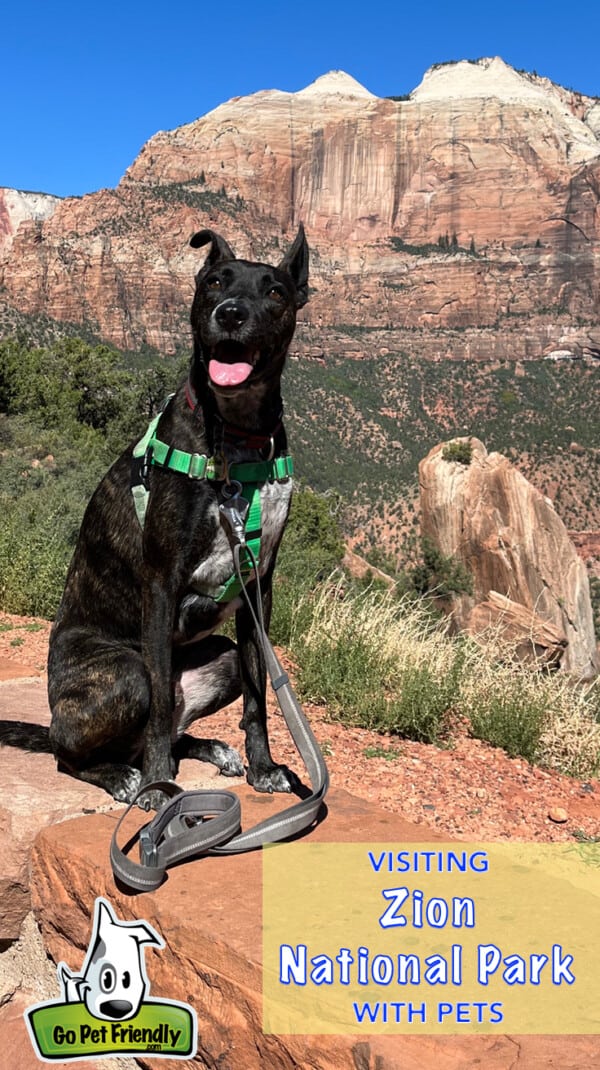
(361, 656)
(194, 194)
(426, 249)
(427, 573)
(66, 411)
(458, 451)
(312, 548)
(377, 657)
(437, 574)
(384, 663)
(512, 718)
(341, 433)
(444, 244)
(388, 753)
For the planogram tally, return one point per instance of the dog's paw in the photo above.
(126, 783)
(277, 778)
(153, 800)
(227, 760)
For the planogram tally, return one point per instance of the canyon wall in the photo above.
(501, 166)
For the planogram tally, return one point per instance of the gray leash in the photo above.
(197, 823)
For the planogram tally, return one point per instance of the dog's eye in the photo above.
(108, 979)
(214, 283)
(276, 294)
(126, 979)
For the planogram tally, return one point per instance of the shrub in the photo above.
(461, 451)
(375, 660)
(36, 543)
(312, 547)
(384, 664)
(438, 574)
(543, 718)
(512, 718)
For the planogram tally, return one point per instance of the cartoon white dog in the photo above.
(113, 980)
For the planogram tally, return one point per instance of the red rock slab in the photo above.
(209, 912)
(14, 670)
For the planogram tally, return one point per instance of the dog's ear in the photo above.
(295, 263)
(220, 249)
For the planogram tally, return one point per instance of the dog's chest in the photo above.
(217, 566)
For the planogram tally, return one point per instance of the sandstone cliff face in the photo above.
(17, 207)
(478, 151)
(472, 149)
(509, 537)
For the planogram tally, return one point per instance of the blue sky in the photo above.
(83, 86)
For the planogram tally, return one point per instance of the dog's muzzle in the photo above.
(231, 314)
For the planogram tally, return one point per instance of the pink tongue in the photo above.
(228, 374)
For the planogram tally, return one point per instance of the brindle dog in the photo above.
(133, 655)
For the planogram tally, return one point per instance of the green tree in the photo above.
(437, 574)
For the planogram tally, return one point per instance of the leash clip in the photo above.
(234, 510)
(148, 848)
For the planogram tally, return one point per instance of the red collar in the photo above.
(190, 396)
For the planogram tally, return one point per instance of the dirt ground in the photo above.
(469, 791)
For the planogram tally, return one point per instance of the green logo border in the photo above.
(42, 1019)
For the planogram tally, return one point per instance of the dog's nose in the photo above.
(231, 314)
(116, 1008)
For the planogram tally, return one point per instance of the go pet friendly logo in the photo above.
(105, 1009)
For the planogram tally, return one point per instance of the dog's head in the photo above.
(114, 980)
(244, 313)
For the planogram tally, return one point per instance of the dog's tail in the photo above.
(25, 736)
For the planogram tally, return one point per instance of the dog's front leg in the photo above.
(157, 635)
(263, 773)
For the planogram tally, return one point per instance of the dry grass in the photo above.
(384, 663)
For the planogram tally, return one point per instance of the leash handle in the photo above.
(195, 823)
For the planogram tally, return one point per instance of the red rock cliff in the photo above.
(503, 163)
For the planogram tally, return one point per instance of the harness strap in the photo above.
(169, 838)
(199, 466)
(150, 450)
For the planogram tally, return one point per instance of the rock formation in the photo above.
(527, 577)
(502, 166)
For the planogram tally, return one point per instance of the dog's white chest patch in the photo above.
(218, 566)
(274, 506)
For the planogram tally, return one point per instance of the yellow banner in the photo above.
(445, 939)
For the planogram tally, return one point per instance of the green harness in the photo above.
(249, 475)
